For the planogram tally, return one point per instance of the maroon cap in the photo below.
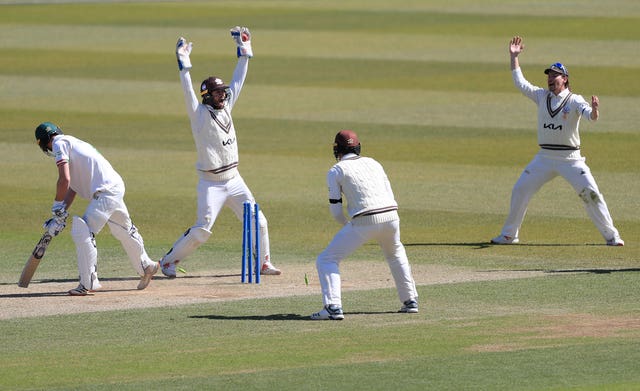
(347, 139)
(211, 84)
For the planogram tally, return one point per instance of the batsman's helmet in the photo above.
(346, 141)
(209, 85)
(44, 132)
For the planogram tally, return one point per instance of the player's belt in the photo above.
(376, 211)
(558, 147)
(223, 168)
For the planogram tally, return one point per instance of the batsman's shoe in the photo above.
(616, 241)
(168, 269)
(329, 312)
(149, 272)
(410, 307)
(80, 291)
(269, 270)
(504, 239)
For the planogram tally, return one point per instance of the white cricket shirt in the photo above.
(90, 171)
(213, 130)
(364, 184)
(558, 115)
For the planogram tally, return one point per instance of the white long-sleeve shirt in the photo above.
(558, 115)
(364, 184)
(90, 172)
(213, 130)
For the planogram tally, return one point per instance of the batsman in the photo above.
(220, 183)
(82, 170)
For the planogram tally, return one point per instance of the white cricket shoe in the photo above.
(168, 269)
(269, 270)
(504, 239)
(149, 272)
(329, 312)
(410, 307)
(616, 241)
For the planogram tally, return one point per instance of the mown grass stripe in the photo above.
(385, 45)
(354, 106)
(415, 22)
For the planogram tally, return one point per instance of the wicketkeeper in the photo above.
(220, 183)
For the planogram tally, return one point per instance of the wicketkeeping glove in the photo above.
(242, 37)
(183, 50)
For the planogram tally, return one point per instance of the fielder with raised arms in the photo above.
(559, 114)
(82, 170)
(220, 183)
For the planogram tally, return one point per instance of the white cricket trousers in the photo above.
(544, 168)
(212, 197)
(107, 208)
(349, 239)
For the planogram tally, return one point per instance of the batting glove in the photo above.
(242, 38)
(56, 224)
(58, 209)
(183, 50)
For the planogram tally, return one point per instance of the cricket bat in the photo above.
(34, 260)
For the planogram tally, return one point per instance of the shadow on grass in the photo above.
(156, 277)
(281, 317)
(595, 270)
(274, 317)
(34, 294)
(481, 245)
(61, 293)
(578, 270)
(477, 245)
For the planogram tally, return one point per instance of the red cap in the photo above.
(347, 139)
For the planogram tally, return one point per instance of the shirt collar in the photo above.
(349, 156)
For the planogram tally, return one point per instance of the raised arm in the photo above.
(515, 48)
(183, 51)
(595, 104)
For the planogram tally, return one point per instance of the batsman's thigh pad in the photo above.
(187, 244)
(86, 252)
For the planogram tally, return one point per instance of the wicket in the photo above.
(247, 249)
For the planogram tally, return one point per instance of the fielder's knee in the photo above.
(590, 196)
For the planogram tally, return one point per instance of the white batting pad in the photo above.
(86, 252)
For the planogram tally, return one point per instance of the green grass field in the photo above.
(426, 84)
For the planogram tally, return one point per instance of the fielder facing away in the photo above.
(373, 215)
(559, 114)
(84, 171)
(220, 183)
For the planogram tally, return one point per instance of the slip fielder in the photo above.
(559, 114)
(373, 215)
